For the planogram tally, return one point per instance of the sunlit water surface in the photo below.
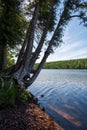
(63, 94)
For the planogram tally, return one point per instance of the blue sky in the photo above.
(75, 43)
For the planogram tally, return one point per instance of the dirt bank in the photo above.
(26, 117)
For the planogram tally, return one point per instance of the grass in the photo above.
(12, 94)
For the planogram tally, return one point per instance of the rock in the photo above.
(42, 95)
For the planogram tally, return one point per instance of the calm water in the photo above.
(64, 96)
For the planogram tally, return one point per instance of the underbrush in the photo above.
(12, 94)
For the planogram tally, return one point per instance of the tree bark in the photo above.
(29, 47)
(38, 49)
(3, 56)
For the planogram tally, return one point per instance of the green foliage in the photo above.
(22, 95)
(12, 27)
(44, 12)
(11, 94)
(7, 94)
(45, 8)
(12, 23)
(68, 64)
(11, 57)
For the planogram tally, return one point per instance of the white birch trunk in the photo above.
(24, 70)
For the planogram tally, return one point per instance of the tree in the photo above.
(12, 25)
(44, 17)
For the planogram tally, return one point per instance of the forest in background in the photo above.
(66, 64)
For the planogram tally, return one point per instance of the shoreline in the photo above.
(27, 116)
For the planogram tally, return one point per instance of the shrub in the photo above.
(11, 94)
(22, 95)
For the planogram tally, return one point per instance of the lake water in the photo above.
(63, 94)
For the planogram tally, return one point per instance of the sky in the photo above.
(75, 43)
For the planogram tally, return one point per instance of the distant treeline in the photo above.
(67, 64)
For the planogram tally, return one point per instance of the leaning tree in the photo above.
(45, 17)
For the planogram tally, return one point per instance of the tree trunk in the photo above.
(3, 57)
(21, 53)
(29, 47)
(38, 49)
(24, 70)
(32, 79)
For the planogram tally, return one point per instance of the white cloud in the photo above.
(70, 51)
(68, 47)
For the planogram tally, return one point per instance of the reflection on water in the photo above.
(65, 96)
(66, 116)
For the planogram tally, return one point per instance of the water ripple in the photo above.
(64, 96)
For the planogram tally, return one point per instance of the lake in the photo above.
(63, 94)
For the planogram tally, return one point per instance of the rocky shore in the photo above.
(26, 117)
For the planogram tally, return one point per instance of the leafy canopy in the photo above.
(12, 22)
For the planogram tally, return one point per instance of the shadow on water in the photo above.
(64, 119)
